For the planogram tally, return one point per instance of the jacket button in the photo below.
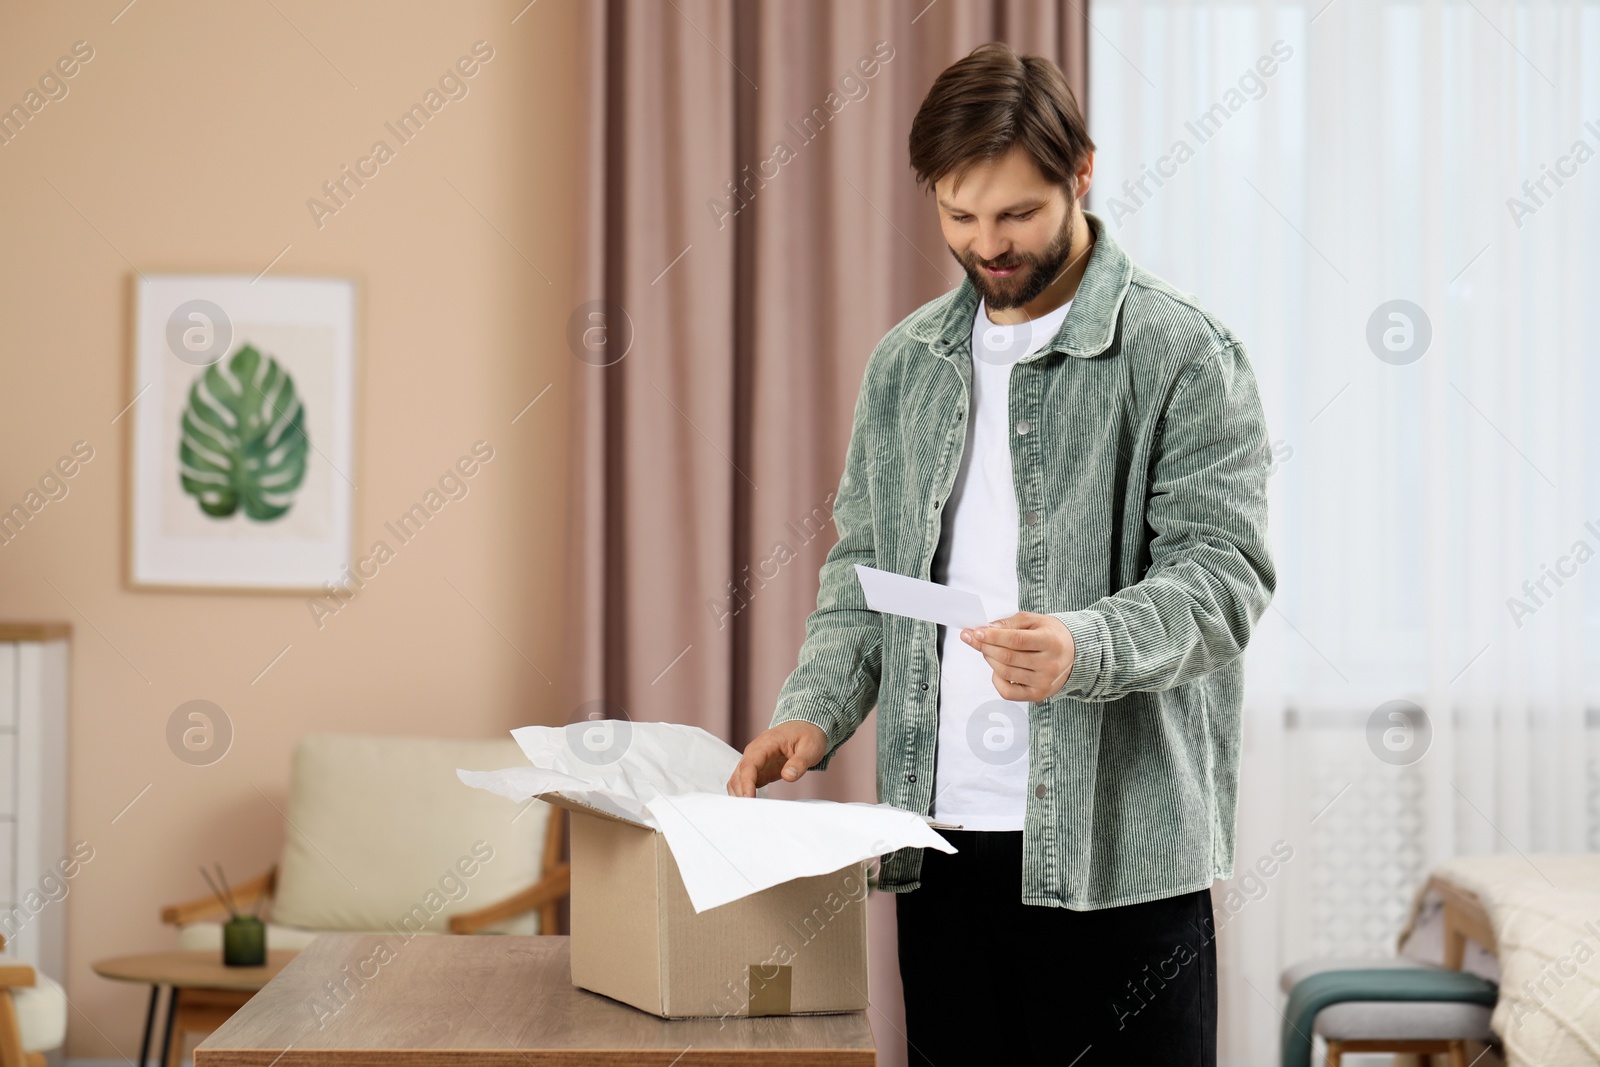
(1031, 518)
(1040, 790)
(911, 778)
(1024, 427)
(924, 687)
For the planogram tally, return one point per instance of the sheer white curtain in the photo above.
(1397, 207)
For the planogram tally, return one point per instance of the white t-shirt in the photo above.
(981, 767)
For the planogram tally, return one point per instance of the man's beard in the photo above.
(1029, 281)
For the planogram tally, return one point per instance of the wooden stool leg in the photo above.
(1458, 1054)
(1335, 1053)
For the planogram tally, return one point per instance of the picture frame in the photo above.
(242, 460)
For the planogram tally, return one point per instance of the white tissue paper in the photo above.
(673, 778)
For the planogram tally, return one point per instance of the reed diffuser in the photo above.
(244, 937)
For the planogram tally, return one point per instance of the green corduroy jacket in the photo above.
(1140, 460)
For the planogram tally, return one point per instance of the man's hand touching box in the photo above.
(788, 749)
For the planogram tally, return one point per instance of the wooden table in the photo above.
(204, 991)
(499, 1001)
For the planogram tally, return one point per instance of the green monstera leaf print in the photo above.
(244, 441)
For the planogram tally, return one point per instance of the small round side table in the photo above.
(205, 992)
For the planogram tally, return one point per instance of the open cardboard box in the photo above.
(689, 902)
(795, 948)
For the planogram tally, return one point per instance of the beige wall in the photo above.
(192, 140)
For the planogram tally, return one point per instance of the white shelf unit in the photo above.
(33, 791)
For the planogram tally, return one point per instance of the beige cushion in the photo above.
(41, 1014)
(207, 937)
(1408, 1020)
(382, 835)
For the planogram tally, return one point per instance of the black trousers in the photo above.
(989, 979)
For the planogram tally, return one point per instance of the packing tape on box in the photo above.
(770, 988)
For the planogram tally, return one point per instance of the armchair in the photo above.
(33, 1015)
(381, 836)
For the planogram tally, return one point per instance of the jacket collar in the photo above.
(1091, 322)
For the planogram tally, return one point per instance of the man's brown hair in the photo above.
(990, 100)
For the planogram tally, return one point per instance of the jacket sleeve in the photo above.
(836, 682)
(1210, 575)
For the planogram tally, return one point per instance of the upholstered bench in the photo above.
(1404, 1019)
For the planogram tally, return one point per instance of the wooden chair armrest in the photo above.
(11, 1050)
(16, 976)
(548, 890)
(1465, 919)
(244, 895)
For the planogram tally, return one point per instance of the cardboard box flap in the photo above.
(561, 801)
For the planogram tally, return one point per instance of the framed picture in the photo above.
(243, 432)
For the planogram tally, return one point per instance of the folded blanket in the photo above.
(1545, 913)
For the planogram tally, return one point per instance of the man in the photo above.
(1082, 445)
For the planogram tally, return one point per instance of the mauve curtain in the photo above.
(751, 229)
